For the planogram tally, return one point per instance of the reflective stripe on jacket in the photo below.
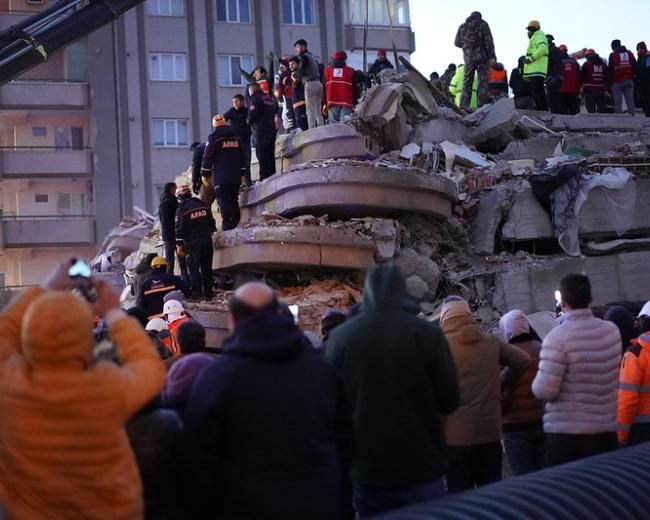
(537, 52)
(338, 86)
(634, 388)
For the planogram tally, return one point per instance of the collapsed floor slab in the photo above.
(262, 248)
(350, 189)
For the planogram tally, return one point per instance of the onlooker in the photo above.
(298, 95)
(401, 381)
(261, 118)
(622, 66)
(267, 428)
(577, 377)
(154, 288)
(194, 227)
(594, 82)
(643, 77)
(224, 160)
(498, 81)
(310, 78)
(190, 339)
(65, 453)
(261, 77)
(569, 92)
(339, 88)
(332, 319)
(381, 63)
(624, 320)
(237, 116)
(154, 435)
(180, 378)
(521, 88)
(536, 64)
(523, 430)
(634, 394)
(473, 432)
(475, 38)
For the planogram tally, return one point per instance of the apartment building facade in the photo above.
(103, 126)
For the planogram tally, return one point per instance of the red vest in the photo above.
(594, 76)
(621, 64)
(570, 71)
(338, 86)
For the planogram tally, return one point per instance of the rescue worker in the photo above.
(158, 330)
(569, 91)
(197, 150)
(339, 88)
(643, 77)
(223, 162)
(167, 214)
(298, 95)
(237, 116)
(594, 83)
(381, 63)
(634, 394)
(456, 87)
(498, 81)
(520, 87)
(447, 76)
(622, 66)
(284, 93)
(260, 76)
(194, 227)
(553, 74)
(309, 75)
(536, 64)
(154, 288)
(174, 315)
(261, 118)
(475, 38)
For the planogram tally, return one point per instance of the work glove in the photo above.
(196, 187)
(205, 181)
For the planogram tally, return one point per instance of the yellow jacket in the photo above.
(456, 87)
(64, 452)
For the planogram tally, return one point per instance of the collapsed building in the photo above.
(495, 206)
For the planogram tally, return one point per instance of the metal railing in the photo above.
(44, 148)
(14, 217)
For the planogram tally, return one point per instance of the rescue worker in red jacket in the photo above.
(569, 91)
(339, 88)
(261, 77)
(298, 94)
(622, 65)
(594, 82)
(498, 81)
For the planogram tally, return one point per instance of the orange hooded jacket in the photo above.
(634, 388)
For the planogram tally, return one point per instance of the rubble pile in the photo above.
(460, 204)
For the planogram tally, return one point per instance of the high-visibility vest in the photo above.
(594, 76)
(621, 64)
(571, 74)
(634, 388)
(338, 86)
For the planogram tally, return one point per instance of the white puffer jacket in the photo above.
(578, 375)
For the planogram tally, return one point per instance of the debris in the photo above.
(459, 154)
(409, 151)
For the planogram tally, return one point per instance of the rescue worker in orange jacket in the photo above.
(498, 81)
(633, 417)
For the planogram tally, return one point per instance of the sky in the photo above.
(576, 23)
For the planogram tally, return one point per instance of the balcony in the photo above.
(48, 231)
(44, 94)
(47, 163)
(378, 36)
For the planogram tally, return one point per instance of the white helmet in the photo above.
(173, 310)
(157, 324)
(645, 311)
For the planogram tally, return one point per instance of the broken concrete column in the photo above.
(493, 209)
(416, 287)
(386, 235)
(413, 264)
(501, 124)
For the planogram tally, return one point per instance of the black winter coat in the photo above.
(167, 214)
(194, 221)
(261, 117)
(239, 121)
(151, 298)
(197, 162)
(224, 156)
(267, 429)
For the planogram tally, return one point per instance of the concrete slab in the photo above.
(530, 286)
(528, 221)
(483, 229)
(500, 125)
(214, 320)
(263, 248)
(439, 130)
(351, 189)
(324, 142)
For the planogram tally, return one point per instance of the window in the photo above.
(76, 62)
(71, 204)
(41, 198)
(298, 12)
(167, 67)
(229, 73)
(377, 12)
(165, 7)
(39, 131)
(170, 133)
(68, 137)
(233, 11)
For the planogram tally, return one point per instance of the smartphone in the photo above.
(296, 313)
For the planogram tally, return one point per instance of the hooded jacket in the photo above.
(64, 452)
(267, 428)
(475, 38)
(578, 375)
(479, 358)
(400, 380)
